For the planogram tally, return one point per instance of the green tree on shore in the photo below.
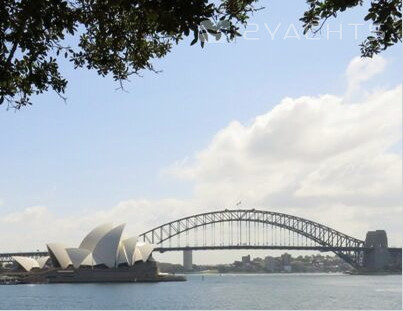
(123, 37)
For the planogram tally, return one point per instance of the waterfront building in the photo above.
(270, 264)
(246, 259)
(104, 255)
(286, 259)
(105, 246)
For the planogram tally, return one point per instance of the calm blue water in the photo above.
(235, 291)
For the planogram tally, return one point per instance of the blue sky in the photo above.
(105, 146)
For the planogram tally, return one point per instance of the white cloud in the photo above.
(321, 157)
(28, 215)
(362, 69)
(314, 146)
(33, 227)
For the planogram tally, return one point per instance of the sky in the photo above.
(277, 120)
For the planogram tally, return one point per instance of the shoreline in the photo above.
(291, 273)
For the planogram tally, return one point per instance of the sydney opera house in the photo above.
(104, 255)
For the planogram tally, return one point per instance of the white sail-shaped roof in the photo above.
(26, 263)
(89, 261)
(145, 250)
(58, 252)
(78, 256)
(130, 246)
(107, 248)
(137, 255)
(42, 261)
(92, 238)
(122, 255)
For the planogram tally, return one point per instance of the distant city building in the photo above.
(270, 264)
(246, 259)
(283, 264)
(286, 259)
(297, 266)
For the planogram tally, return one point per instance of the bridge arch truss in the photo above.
(321, 237)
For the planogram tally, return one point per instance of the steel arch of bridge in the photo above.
(347, 247)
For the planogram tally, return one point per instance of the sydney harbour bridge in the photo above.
(260, 229)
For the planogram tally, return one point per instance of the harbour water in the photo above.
(214, 291)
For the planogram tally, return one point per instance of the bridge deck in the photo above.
(257, 247)
(7, 257)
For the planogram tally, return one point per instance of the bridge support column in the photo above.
(378, 258)
(187, 260)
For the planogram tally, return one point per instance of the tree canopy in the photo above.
(123, 37)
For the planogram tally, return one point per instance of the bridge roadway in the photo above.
(229, 229)
(7, 257)
(257, 247)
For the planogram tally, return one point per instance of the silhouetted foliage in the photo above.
(386, 17)
(123, 37)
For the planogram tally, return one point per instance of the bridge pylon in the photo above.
(187, 260)
(377, 257)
